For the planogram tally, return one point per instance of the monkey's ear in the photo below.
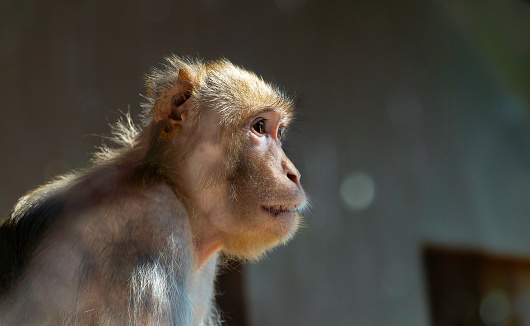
(172, 104)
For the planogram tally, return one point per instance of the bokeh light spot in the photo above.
(357, 190)
(495, 307)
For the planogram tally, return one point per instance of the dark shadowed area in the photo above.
(413, 132)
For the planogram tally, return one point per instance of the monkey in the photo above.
(136, 237)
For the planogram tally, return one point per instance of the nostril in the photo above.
(293, 177)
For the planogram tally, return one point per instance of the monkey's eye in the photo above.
(279, 134)
(259, 127)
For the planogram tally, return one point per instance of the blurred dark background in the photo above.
(413, 129)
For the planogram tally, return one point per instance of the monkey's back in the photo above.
(22, 230)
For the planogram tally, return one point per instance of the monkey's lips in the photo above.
(281, 209)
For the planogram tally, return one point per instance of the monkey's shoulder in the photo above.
(78, 208)
(89, 195)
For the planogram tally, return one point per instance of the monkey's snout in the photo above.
(291, 172)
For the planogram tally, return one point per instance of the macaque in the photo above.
(135, 238)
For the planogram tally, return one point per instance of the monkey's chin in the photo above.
(281, 221)
(275, 229)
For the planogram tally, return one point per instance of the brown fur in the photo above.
(135, 238)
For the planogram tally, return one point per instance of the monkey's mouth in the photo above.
(280, 209)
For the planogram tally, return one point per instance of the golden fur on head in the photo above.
(217, 85)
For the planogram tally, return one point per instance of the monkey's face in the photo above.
(265, 184)
(257, 202)
(265, 191)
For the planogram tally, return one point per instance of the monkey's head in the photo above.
(223, 127)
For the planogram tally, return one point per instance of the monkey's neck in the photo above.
(206, 238)
(205, 248)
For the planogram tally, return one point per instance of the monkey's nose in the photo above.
(291, 172)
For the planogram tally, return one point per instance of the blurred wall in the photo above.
(413, 127)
